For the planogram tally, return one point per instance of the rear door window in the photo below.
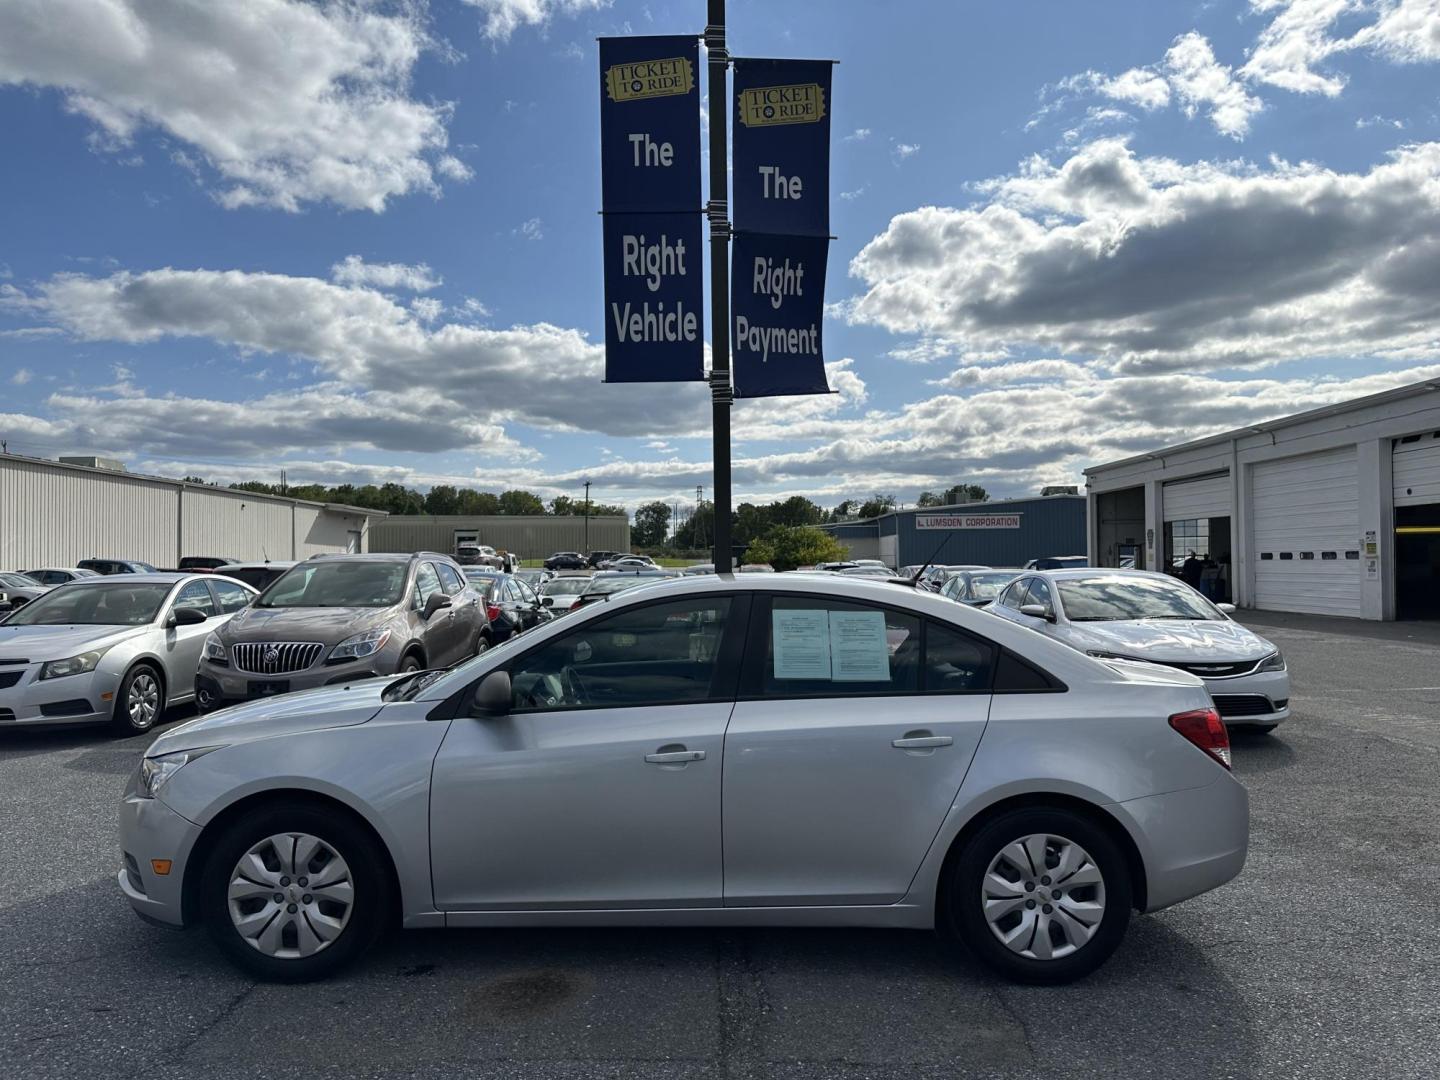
(449, 579)
(231, 596)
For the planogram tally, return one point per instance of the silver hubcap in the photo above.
(290, 895)
(1043, 896)
(143, 700)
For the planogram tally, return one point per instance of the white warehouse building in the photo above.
(1335, 511)
(55, 514)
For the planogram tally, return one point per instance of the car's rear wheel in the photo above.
(291, 894)
(1040, 895)
(139, 702)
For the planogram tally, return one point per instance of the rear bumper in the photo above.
(1190, 841)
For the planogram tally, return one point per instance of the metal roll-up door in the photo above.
(1204, 497)
(1307, 534)
(1416, 470)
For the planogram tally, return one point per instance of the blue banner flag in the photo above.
(777, 297)
(781, 155)
(650, 124)
(654, 297)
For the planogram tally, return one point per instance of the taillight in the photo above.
(1204, 728)
(492, 612)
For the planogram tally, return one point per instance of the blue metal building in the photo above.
(1006, 533)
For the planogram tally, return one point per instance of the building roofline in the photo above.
(965, 507)
(1399, 393)
(50, 463)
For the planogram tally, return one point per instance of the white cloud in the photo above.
(905, 150)
(353, 270)
(503, 17)
(851, 196)
(1201, 81)
(858, 135)
(1152, 265)
(22, 376)
(286, 102)
(530, 229)
(1138, 86)
(426, 308)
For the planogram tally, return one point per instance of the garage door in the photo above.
(890, 550)
(1206, 497)
(1307, 534)
(1417, 470)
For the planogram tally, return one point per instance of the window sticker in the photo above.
(858, 649)
(800, 640)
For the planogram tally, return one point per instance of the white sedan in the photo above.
(1141, 615)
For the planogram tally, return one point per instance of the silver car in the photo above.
(111, 649)
(338, 618)
(736, 750)
(1145, 616)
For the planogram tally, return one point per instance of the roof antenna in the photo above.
(916, 579)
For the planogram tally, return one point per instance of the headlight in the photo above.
(156, 771)
(214, 650)
(75, 665)
(366, 644)
(1273, 662)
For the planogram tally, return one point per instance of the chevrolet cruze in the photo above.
(738, 750)
(1145, 616)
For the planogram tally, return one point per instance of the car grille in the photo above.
(275, 657)
(1243, 704)
(6, 715)
(11, 662)
(9, 678)
(1216, 669)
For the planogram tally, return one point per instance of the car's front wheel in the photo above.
(139, 702)
(1040, 895)
(295, 893)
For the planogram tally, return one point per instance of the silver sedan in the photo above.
(882, 757)
(117, 650)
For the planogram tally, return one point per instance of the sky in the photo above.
(358, 240)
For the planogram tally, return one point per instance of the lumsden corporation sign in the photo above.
(967, 521)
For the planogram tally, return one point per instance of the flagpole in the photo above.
(721, 390)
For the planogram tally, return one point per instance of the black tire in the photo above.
(409, 663)
(371, 903)
(482, 643)
(962, 918)
(121, 721)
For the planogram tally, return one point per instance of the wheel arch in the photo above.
(1047, 800)
(204, 844)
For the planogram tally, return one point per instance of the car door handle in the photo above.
(675, 757)
(921, 742)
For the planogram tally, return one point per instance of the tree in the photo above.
(966, 493)
(605, 510)
(520, 502)
(442, 499)
(478, 503)
(786, 547)
(564, 506)
(697, 530)
(929, 498)
(796, 510)
(877, 505)
(845, 509)
(652, 522)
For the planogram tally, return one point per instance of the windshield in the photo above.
(337, 584)
(606, 586)
(1104, 599)
(98, 604)
(18, 581)
(566, 586)
(988, 586)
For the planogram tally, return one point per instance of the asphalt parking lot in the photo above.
(1317, 962)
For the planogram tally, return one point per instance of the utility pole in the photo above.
(587, 518)
(699, 521)
(721, 391)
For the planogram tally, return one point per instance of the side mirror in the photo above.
(185, 616)
(1037, 611)
(493, 695)
(435, 603)
(1227, 609)
(547, 601)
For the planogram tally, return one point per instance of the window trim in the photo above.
(727, 660)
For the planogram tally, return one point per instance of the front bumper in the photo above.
(151, 830)
(227, 685)
(1190, 841)
(1261, 698)
(74, 699)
